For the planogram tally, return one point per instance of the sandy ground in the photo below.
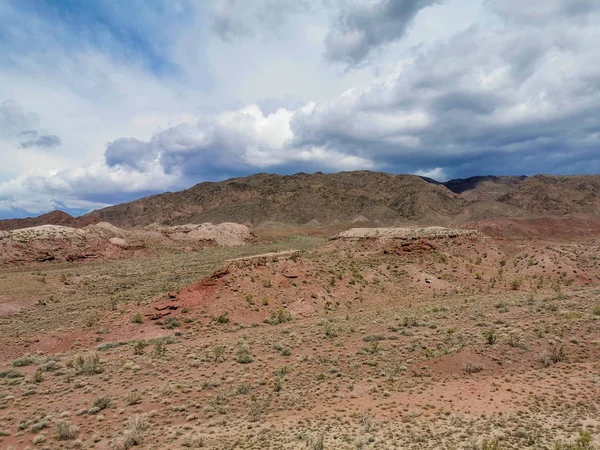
(420, 339)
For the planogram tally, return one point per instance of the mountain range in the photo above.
(345, 199)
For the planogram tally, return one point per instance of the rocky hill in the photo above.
(347, 198)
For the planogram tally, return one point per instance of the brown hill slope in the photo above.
(483, 188)
(556, 195)
(51, 218)
(347, 198)
(297, 199)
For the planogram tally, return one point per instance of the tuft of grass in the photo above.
(171, 323)
(279, 315)
(491, 337)
(470, 368)
(138, 318)
(87, 364)
(65, 431)
(24, 361)
(134, 398)
(243, 355)
(222, 319)
(10, 373)
(101, 403)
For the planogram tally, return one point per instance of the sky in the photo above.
(103, 102)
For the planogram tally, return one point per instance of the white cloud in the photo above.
(441, 89)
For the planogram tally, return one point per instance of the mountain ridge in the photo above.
(341, 198)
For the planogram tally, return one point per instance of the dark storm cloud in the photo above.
(128, 152)
(43, 141)
(362, 27)
(16, 123)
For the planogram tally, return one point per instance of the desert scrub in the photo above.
(491, 337)
(255, 409)
(279, 315)
(193, 441)
(242, 354)
(134, 434)
(222, 319)
(65, 430)
(134, 398)
(10, 373)
(597, 310)
(24, 361)
(87, 364)
(470, 367)
(99, 404)
(138, 318)
(171, 323)
(138, 346)
(218, 354)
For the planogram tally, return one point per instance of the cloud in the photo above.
(14, 120)
(234, 19)
(43, 141)
(512, 90)
(17, 124)
(364, 25)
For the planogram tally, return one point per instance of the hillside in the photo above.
(347, 199)
(317, 199)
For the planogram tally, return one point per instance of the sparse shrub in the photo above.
(557, 354)
(134, 434)
(279, 315)
(209, 384)
(134, 398)
(330, 330)
(99, 404)
(65, 430)
(87, 364)
(38, 376)
(544, 359)
(38, 426)
(318, 442)
(218, 353)
(597, 310)
(193, 441)
(374, 347)
(470, 367)
(24, 361)
(38, 440)
(516, 284)
(491, 337)
(171, 322)
(138, 318)
(159, 350)
(255, 409)
(221, 318)
(138, 346)
(374, 337)
(110, 345)
(515, 341)
(410, 322)
(493, 444)
(50, 365)
(242, 354)
(240, 389)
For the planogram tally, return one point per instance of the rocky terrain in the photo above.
(309, 331)
(58, 243)
(347, 198)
